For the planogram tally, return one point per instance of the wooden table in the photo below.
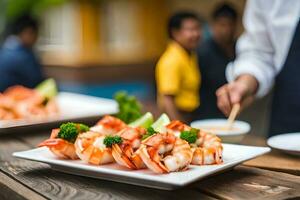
(21, 179)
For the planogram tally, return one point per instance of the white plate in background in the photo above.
(232, 155)
(288, 143)
(239, 129)
(72, 106)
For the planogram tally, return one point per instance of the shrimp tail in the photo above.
(151, 164)
(60, 148)
(52, 142)
(121, 158)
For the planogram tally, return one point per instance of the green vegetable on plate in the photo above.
(160, 124)
(47, 88)
(83, 128)
(190, 136)
(129, 107)
(150, 132)
(69, 131)
(144, 121)
(110, 140)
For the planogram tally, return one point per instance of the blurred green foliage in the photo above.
(14, 8)
(10, 9)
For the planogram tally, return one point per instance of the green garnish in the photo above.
(144, 121)
(190, 136)
(110, 140)
(47, 88)
(69, 131)
(83, 128)
(160, 124)
(150, 131)
(129, 107)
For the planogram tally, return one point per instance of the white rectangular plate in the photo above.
(233, 155)
(72, 106)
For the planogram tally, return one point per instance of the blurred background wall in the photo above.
(86, 32)
(100, 41)
(97, 47)
(106, 33)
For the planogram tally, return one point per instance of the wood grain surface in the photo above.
(275, 160)
(39, 181)
(252, 183)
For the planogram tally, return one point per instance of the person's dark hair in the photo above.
(176, 20)
(20, 23)
(225, 10)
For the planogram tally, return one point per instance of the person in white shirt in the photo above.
(268, 52)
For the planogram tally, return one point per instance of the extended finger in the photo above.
(223, 100)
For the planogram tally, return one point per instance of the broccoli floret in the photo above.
(190, 136)
(110, 140)
(129, 107)
(150, 131)
(69, 131)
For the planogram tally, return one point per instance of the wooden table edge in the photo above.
(10, 185)
(294, 172)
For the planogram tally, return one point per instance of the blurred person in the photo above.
(18, 63)
(267, 53)
(177, 73)
(214, 54)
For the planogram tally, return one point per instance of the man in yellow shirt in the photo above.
(177, 72)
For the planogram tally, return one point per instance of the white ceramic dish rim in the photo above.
(140, 176)
(272, 142)
(242, 125)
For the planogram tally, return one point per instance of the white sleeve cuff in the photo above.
(265, 79)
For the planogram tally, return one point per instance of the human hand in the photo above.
(241, 91)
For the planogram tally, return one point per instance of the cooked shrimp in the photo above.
(163, 153)
(6, 114)
(124, 153)
(109, 125)
(7, 108)
(207, 148)
(51, 107)
(90, 148)
(176, 127)
(31, 107)
(60, 147)
(21, 102)
(6, 102)
(19, 92)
